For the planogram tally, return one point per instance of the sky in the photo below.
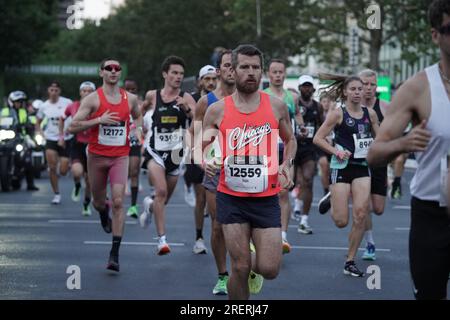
(97, 9)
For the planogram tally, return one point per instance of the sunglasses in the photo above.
(112, 67)
(445, 30)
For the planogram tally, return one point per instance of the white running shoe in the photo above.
(163, 246)
(56, 199)
(199, 247)
(146, 217)
(189, 196)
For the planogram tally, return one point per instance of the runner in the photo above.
(378, 175)
(194, 173)
(78, 151)
(354, 126)
(306, 157)
(56, 147)
(134, 165)
(424, 99)
(107, 113)
(249, 122)
(225, 87)
(328, 103)
(171, 109)
(277, 74)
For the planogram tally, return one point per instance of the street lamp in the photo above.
(258, 18)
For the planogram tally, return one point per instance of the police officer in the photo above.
(24, 127)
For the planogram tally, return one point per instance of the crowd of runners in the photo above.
(249, 157)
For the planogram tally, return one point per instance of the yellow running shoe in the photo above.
(255, 282)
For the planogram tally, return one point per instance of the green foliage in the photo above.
(25, 26)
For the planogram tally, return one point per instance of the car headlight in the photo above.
(19, 148)
(7, 134)
(39, 139)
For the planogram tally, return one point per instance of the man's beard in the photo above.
(247, 87)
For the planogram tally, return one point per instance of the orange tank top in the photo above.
(111, 140)
(249, 149)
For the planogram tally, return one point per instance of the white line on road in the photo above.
(85, 221)
(334, 248)
(402, 229)
(175, 244)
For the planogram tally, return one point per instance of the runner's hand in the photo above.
(211, 167)
(284, 177)
(418, 138)
(109, 118)
(343, 155)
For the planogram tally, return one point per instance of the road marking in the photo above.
(175, 244)
(334, 248)
(85, 221)
(402, 229)
(402, 207)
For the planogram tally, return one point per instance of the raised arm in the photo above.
(88, 106)
(390, 142)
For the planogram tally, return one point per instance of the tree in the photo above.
(25, 26)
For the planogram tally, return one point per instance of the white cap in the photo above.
(87, 84)
(305, 79)
(205, 70)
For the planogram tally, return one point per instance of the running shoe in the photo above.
(113, 263)
(199, 247)
(189, 196)
(304, 228)
(396, 191)
(369, 253)
(296, 215)
(133, 212)
(255, 282)
(350, 269)
(56, 199)
(86, 211)
(325, 203)
(146, 217)
(163, 247)
(75, 194)
(286, 247)
(220, 289)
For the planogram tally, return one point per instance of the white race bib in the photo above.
(443, 201)
(109, 135)
(311, 130)
(247, 174)
(362, 146)
(167, 141)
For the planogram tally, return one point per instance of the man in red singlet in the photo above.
(106, 112)
(248, 124)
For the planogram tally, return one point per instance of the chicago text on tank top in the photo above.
(249, 150)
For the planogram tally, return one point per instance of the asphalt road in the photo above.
(39, 241)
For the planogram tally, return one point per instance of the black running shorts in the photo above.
(378, 181)
(261, 212)
(348, 174)
(429, 249)
(193, 174)
(62, 152)
(78, 154)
